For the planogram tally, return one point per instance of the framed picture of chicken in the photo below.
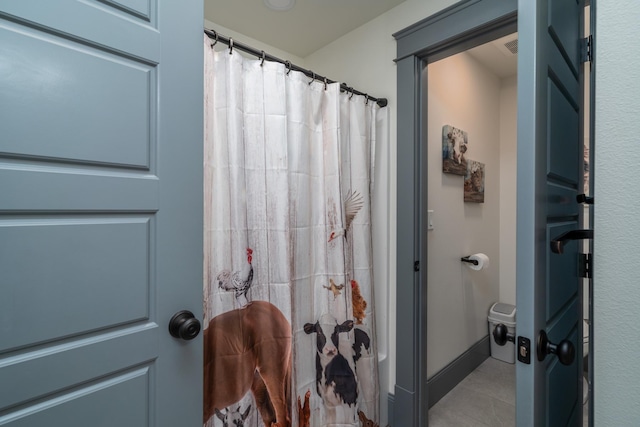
(474, 182)
(454, 145)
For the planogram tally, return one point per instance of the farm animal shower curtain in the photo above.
(289, 330)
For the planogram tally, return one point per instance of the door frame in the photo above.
(462, 26)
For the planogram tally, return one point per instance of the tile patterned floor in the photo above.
(485, 398)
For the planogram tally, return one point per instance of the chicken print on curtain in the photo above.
(289, 334)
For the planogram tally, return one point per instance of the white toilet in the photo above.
(585, 354)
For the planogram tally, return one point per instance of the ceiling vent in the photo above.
(508, 45)
(512, 46)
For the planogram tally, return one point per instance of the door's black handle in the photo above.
(184, 325)
(583, 198)
(557, 244)
(565, 350)
(501, 335)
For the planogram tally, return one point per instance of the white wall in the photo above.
(617, 230)
(464, 94)
(508, 163)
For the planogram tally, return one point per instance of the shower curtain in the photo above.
(289, 331)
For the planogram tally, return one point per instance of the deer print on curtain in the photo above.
(289, 335)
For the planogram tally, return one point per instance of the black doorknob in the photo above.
(184, 325)
(565, 351)
(501, 334)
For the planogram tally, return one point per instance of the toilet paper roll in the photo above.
(483, 261)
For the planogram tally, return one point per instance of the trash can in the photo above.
(505, 314)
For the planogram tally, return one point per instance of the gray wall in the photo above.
(617, 228)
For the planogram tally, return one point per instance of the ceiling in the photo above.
(496, 57)
(305, 28)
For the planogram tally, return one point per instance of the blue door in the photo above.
(550, 151)
(100, 212)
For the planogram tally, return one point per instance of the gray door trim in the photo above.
(464, 25)
(410, 392)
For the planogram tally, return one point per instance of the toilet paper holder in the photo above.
(469, 260)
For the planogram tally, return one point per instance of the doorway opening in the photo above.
(550, 77)
(472, 208)
(475, 91)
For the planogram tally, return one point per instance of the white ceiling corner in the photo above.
(495, 58)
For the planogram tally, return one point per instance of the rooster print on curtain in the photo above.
(239, 281)
(289, 338)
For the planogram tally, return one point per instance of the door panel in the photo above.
(120, 400)
(105, 121)
(549, 294)
(51, 368)
(76, 261)
(560, 201)
(74, 188)
(563, 31)
(561, 289)
(564, 125)
(140, 8)
(561, 406)
(100, 212)
(97, 24)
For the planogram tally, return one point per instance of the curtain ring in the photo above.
(313, 77)
(351, 90)
(288, 64)
(325, 83)
(215, 42)
(230, 45)
(262, 60)
(366, 96)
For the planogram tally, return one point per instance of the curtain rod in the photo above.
(382, 102)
